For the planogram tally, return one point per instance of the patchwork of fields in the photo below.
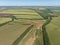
(30, 26)
(10, 32)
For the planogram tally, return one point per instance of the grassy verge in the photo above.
(39, 37)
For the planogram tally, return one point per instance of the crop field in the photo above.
(28, 16)
(18, 11)
(53, 30)
(3, 20)
(29, 26)
(10, 32)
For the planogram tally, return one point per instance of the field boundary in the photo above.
(5, 23)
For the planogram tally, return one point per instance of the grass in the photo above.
(56, 10)
(39, 40)
(53, 30)
(3, 20)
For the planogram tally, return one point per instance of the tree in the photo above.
(13, 18)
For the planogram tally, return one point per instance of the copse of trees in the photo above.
(13, 18)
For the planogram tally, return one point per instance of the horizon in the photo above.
(29, 2)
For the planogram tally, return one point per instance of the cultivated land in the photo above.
(30, 26)
(53, 30)
(3, 20)
(18, 11)
(10, 32)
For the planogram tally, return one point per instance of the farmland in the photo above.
(18, 11)
(29, 26)
(3, 20)
(53, 30)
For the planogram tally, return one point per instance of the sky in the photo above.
(29, 2)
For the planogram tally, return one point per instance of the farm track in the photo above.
(44, 32)
(38, 33)
(31, 39)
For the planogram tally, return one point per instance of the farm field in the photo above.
(3, 20)
(14, 30)
(10, 32)
(17, 28)
(29, 26)
(31, 36)
(53, 30)
(18, 11)
(28, 16)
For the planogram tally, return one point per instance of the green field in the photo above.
(53, 30)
